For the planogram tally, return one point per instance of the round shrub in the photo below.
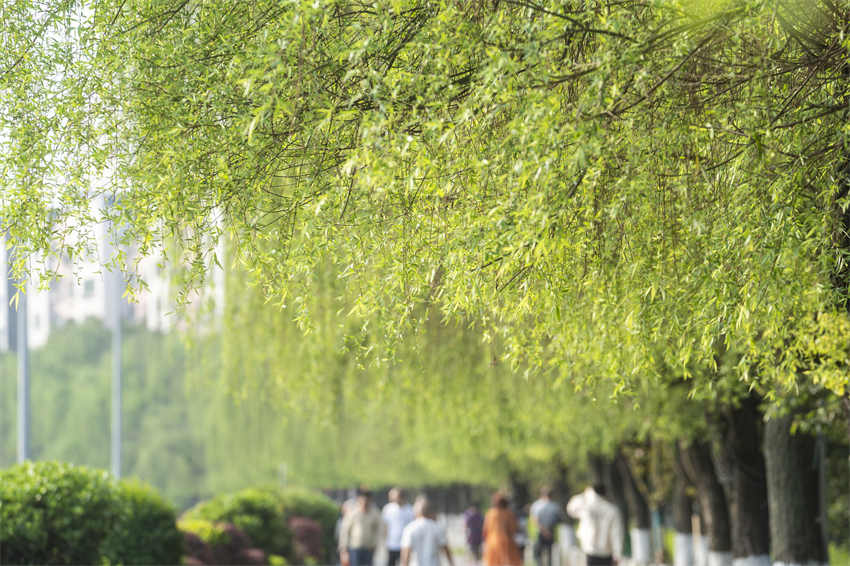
(306, 540)
(257, 512)
(145, 528)
(54, 513)
(264, 515)
(218, 543)
(195, 550)
(298, 502)
(211, 534)
(237, 548)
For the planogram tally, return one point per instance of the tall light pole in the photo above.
(23, 355)
(114, 301)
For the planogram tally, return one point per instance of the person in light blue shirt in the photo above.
(545, 516)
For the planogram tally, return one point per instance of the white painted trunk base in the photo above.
(800, 564)
(641, 546)
(683, 549)
(719, 558)
(701, 551)
(566, 536)
(762, 560)
(569, 552)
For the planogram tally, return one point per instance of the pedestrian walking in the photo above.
(360, 531)
(600, 528)
(397, 514)
(424, 539)
(521, 536)
(545, 515)
(500, 528)
(473, 522)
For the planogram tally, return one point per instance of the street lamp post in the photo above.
(23, 377)
(115, 303)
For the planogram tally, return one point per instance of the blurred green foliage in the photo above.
(297, 502)
(70, 407)
(57, 513)
(54, 513)
(264, 514)
(257, 512)
(144, 530)
(210, 532)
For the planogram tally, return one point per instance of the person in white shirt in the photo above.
(423, 539)
(397, 514)
(600, 529)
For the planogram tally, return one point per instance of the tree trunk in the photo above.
(598, 469)
(748, 485)
(561, 493)
(638, 507)
(699, 466)
(520, 491)
(561, 489)
(639, 533)
(682, 507)
(793, 477)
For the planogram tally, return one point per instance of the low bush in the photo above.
(145, 529)
(54, 513)
(317, 507)
(195, 550)
(206, 542)
(306, 540)
(57, 513)
(265, 515)
(256, 512)
(211, 534)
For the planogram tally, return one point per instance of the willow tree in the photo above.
(325, 397)
(589, 179)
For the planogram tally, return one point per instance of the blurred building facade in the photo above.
(87, 290)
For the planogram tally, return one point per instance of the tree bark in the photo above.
(639, 531)
(747, 482)
(698, 464)
(638, 507)
(561, 489)
(598, 470)
(616, 491)
(796, 531)
(682, 505)
(520, 491)
(683, 542)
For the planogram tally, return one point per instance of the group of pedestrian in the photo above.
(411, 533)
(600, 531)
(414, 537)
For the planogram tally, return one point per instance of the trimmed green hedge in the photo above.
(257, 512)
(57, 513)
(218, 543)
(144, 531)
(316, 506)
(264, 515)
(54, 513)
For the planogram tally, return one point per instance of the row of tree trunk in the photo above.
(758, 491)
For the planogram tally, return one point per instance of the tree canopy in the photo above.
(594, 182)
(494, 214)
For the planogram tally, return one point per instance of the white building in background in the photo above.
(7, 323)
(82, 292)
